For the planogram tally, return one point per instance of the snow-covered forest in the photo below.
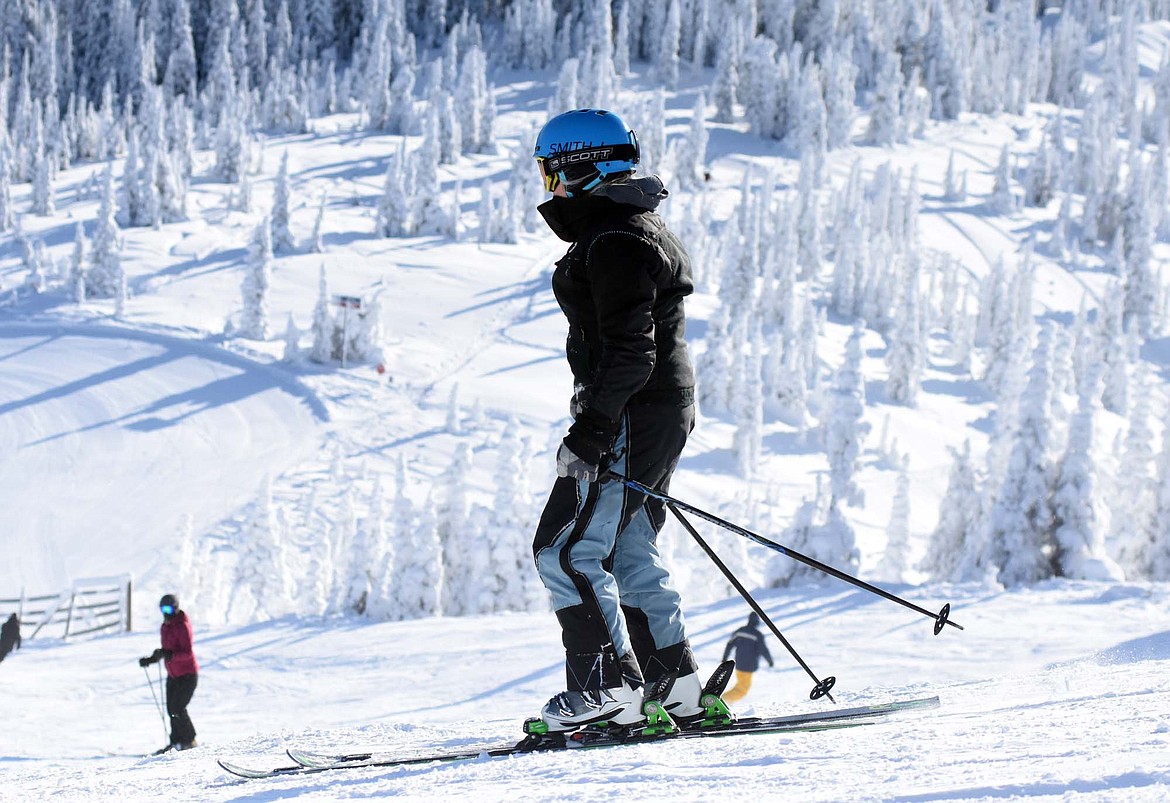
(818, 156)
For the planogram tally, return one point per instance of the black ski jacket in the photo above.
(621, 286)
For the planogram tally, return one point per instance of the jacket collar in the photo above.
(571, 218)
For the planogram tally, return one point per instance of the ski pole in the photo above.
(157, 704)
(822, 687)
(941, 619)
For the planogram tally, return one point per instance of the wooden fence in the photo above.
(92, 605)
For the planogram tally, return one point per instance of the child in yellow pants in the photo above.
(743, 684)
(748, 645)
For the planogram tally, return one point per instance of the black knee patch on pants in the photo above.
(640, 636)
(591, 661)
(677, 659)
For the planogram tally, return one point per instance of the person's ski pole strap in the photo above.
(941, 619)
(822, 687)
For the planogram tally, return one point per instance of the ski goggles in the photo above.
(552, 166)
(551, 179)
(168, 610)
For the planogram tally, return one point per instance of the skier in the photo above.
(182, 670)
(621, 286)
(748, 645)
(9, 636)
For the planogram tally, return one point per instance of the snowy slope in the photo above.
(1061, 692)
(128, 436)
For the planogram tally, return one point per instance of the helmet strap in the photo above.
(604, 153)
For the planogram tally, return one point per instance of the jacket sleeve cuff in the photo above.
(591, 436)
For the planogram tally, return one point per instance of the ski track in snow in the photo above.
(201, 426)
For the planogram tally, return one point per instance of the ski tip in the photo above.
(237, 770)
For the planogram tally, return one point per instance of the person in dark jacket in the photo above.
(621, 287)
(177, 651)
(9, 636)
(748, 645)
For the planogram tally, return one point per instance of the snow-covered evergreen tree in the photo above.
(35, 258)
(262, 569)
(906, 352)
(43, 200)
(959, 518)
(316, 241)
(1137, 237)
(487, 213)
(365, 554)
(1134, 498)
(322, 349)
(317, 583)
(782, 570)
(7, 214)
(885, 110)
(1021, 519)
(474, 100)
(953, 189)
(509, 522)
(254, 321)
(845, 431)
(459, 548)
(668, 52)
(809, 218)
(565, 98)
(820, 532)
(78, 262)
(1040, 178)
(366, 336)
(422, 581)
(1080, 545)
(1156, 563)
(1002, 200)
(725, 91)
(292, 340)
(104, 278)
(395, 216)
(748, 410)
(896, 557)
(839, 80)
(1114, 341)
(283, 241)
(450, 128)
(942, 54)
(690, 167)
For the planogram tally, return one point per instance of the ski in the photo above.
(307, 762)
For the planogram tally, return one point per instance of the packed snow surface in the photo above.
(1060, 692)
(131, 433)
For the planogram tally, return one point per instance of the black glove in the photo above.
(590, 440)
(153, 657)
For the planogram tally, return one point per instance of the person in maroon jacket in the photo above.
(182, 670)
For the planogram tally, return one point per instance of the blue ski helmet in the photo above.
(583, 148)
